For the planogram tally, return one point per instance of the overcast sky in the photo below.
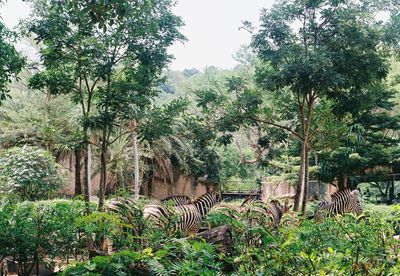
(212, 29)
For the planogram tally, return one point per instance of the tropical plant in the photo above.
(30, 172)
(11, 62)
(40, 232)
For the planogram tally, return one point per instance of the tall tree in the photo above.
(11, 62)
(109, 65)
(319, 50)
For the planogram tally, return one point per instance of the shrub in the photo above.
(40, 231)
(183, 257)
(343, 245)
(30, 172)
(121, 263)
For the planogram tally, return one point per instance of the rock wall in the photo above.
(161, 185)
(283, 189)
(184, 185)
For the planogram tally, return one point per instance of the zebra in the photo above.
(189, 216)
(345, 201)
(178, 200)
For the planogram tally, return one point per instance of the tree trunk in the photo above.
(300, 183)
(306, 182)
(342, 182)
(136, 164)
(135, 158)
(78, 183)
(306, 118)
(103, 169)
(86, 173)
(391, 192)
(89, 170)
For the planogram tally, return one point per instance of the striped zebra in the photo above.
(345, 201)
(189, 216)
(178, 200)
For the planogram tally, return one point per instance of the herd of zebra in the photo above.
(190, 214)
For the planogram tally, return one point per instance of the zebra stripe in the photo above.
(178, 200)
(190, 216)
(344, 201)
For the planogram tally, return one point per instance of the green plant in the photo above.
(180, 257)
(30, 172)
(121, 263)
(96, 227)
(135, 232)
(37, 232)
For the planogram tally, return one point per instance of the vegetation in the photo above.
(40, 232)
(11, 62)
(29, 172)
(341, 245)
(314, 96)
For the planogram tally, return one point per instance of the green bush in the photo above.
(41, 231)
(182, 257)
(47, 230)
(121, 263)
(343, 245)
(136, 232)
(30, 172)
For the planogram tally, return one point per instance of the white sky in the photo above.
(211, 29)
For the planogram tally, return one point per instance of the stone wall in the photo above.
(161, 186)
(283, 189)
(183, 185)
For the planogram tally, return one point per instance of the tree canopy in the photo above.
(11, 62)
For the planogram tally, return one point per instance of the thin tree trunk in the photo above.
(302, 177)
(135, 158)
(89, 170)
(103, 169)
(302, 186)
(391, 192)
(86, 173)
(78, 183)
(297, 195)
(306, 183)
(136, 164)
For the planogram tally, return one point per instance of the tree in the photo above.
(109, 67)
(370, 146)
(319, 50)
(41, 119)
(11, 62)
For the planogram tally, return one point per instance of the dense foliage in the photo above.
(29, 172)
(11, 62)
(341, 245)
(41, 231)
(107, 65)
(316, 94)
